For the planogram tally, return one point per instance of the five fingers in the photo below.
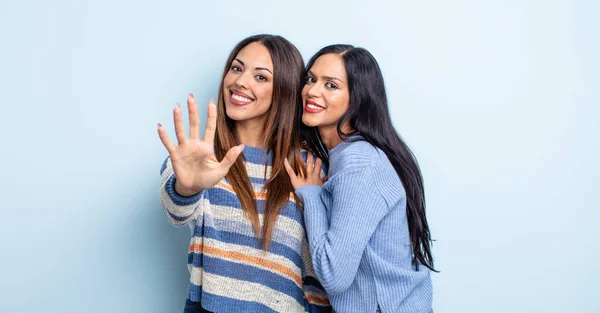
(313, 169)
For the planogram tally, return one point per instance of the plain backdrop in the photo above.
(498, 100)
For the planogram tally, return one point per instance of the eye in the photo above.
(236, 68)
(309, 79)
(331, 86)
(261, 78)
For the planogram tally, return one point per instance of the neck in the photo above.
(251, 133)
(330, 136)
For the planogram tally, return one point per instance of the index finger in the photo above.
(288, 168)
(211, 124)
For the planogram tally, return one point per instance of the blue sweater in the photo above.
(358, 234)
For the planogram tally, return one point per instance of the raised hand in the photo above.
(194, 162)
(313, 173)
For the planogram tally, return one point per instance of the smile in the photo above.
(239, 98)
(313, 107)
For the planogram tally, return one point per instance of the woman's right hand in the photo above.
(194, 162)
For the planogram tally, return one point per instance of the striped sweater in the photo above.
(229, 270)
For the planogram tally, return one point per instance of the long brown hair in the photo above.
(281, 133)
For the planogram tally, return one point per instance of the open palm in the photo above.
(194, 162)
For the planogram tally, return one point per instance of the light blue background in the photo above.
(498, 99)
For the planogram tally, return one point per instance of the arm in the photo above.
(337, 247)
(179, 209)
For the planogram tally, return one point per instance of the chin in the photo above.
(234, 114)
(235, 118)
(310, 122)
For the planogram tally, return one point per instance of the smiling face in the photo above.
(325, 95)
(248, 84)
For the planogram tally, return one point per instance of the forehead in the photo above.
(329, 65)
(255, 54)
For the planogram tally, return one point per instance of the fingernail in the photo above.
(191, 95)
(159, 125)
(177, 105)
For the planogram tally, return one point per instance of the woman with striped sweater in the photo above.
(248, 251)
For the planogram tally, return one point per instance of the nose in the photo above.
(313, 90)
(242, 81)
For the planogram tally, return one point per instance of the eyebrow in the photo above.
(258, 68)
(326, 77)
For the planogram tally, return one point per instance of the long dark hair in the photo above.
(368, 115)
(281, 133)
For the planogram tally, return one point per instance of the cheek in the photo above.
(265, 93)
(228, 80)
(345, 106)
(342, 102)
(338, 106)
(304, 92)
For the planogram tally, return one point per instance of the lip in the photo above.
(311, 110)
(241, 94)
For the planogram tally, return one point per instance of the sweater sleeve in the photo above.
(179, 209)
(337, 246)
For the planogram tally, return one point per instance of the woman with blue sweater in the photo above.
(366, 224)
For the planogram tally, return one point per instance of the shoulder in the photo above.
(370, 167)
(359, 155)
(361, 146)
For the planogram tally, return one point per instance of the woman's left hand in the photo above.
(313, 173)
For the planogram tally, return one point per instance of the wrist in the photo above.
(184, 192)
(308, 188)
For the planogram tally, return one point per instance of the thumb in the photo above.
(231, 156)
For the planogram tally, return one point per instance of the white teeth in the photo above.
(314, 107)
(240, 98)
